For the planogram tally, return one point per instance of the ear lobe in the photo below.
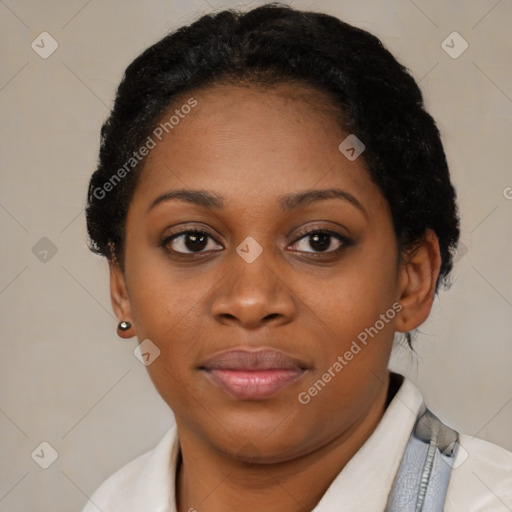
(119, 298)
(417, 282)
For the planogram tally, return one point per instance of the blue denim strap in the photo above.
(424, 473)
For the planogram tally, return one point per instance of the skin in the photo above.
(252, 145)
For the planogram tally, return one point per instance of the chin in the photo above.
(249, 442)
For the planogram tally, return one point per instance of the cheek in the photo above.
(167, 305)
(159, 295)
(166, 314)
(170, 317)
(358, 294)
(357, 314)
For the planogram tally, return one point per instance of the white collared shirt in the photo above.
(481, 479)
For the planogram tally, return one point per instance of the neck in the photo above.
(209, 481)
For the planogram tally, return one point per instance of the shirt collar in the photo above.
(366, 480)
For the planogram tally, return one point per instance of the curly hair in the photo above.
(373, 96)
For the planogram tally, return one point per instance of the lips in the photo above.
(253, 374)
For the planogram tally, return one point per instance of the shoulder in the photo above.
(142, 482)
(481, 478)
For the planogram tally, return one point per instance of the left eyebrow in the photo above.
(293, 201)
(287, 202)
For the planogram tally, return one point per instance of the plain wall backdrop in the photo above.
(67, 379)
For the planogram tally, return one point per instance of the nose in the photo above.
(253, 295)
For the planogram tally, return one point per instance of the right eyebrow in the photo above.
(198, 197)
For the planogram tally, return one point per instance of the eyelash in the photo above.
(345, 242)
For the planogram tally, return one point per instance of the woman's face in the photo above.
(255, 279)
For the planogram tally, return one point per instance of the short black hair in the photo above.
(378, 99)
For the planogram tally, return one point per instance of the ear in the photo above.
(418, 275)
(120, 299)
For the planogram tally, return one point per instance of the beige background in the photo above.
(65, 376)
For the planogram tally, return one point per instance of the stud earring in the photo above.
(124, 326)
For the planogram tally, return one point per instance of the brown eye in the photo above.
(321, 241)
(189, 242)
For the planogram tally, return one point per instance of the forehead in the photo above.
(253, 142)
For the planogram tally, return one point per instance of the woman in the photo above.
(275, 204)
